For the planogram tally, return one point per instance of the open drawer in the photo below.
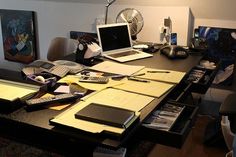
(177, 133)
(202, 75)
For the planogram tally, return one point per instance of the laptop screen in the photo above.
(114, 36)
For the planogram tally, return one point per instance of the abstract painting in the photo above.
(18, 34)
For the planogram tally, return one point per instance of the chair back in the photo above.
(60, 47)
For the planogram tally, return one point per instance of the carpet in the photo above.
(9, 148)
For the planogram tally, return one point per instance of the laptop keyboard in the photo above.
(123, 54)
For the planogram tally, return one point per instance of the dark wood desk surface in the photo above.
(34, 128)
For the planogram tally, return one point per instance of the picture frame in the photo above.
(19, 35)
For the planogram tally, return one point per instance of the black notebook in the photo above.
(104, 114)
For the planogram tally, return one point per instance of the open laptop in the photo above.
(115, 41)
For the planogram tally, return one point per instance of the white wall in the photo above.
(215, 23)
(58, 18)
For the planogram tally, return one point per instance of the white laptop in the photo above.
(115, 42)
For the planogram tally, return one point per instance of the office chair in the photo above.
(228, 123)
(60, 47)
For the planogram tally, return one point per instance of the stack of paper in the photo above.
(116, 68)
(12, 90)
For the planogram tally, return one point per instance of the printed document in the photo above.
(116, 68)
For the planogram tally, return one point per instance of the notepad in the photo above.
(107, 115)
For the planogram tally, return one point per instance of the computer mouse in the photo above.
(174, 52)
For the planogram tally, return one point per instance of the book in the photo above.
(104, 114)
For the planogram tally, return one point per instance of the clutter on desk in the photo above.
(72, 88)
(91, 86)
(43, 78)
(164, 118)
(112, 97)
(47, 73)
(148, 47)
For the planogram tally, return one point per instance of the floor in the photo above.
(194, 145)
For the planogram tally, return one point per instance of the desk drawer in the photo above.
(177, 134)
(201, 78)
(181, 92)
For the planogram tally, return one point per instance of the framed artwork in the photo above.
(18, 34)
(221, 44)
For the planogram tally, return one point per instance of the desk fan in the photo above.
(134, 18)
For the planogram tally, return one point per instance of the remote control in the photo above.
(39, 102)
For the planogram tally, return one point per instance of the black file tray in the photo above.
(176, 136)
(7, 106)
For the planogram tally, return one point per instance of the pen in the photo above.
(138, 74)
(158, 71)
(139, 80)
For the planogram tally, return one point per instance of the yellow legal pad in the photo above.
(150, 88)
(10, 90)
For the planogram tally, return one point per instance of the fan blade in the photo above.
(134, 14)
(123, 18)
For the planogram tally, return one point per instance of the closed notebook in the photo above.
(107, 115)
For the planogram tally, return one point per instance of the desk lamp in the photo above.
(109, 2)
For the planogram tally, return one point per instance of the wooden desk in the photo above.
(33, 127)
